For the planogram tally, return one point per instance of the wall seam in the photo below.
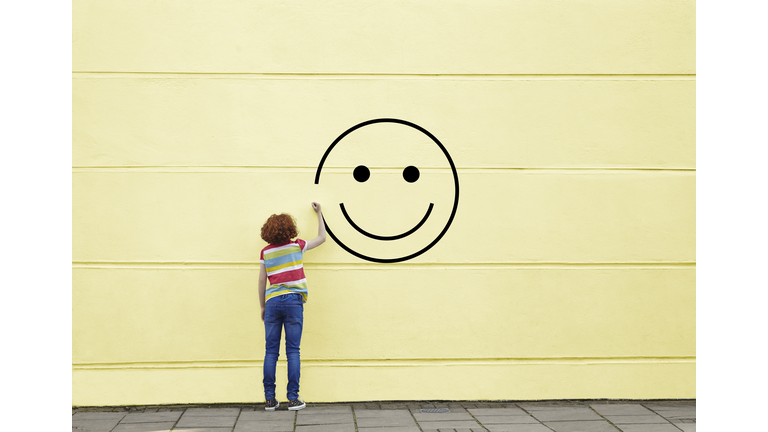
(379, 75)
(366, 266)
(311, 363)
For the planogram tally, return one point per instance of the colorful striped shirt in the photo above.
(285, 268)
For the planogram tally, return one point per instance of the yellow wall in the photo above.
(568, 271)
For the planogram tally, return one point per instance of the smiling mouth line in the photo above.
(378, 237)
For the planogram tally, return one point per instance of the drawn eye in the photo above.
(362, 173)
(411, 174)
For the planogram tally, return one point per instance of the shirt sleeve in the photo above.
(261, 256)
(302, 245)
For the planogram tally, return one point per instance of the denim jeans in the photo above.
(283, 311)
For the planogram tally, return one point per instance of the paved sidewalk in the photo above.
(557, 416)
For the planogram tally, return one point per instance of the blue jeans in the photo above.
(283, 311)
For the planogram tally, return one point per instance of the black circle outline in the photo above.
(455, 182)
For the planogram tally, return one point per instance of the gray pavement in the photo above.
(413, 416)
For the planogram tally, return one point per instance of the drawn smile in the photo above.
(378, 237)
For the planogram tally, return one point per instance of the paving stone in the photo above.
(413, 428)
(562, 408)
(144, 427)
(509, 419)
(98, 416)
(420, 416)
(672, 410)
(393, 406)
(581, 426)
(560, 416)
(621, 409)
(206, 421)
(670, 407)
(212, 412)
(448, 424)
(322, 418)
(670, 404)
(677, 414)
(327, 409)
(648, 428)
(394, 418)
(267, 415)
(682, 420)
(497, 411)
(565, 414)
(538, 427)
(636, 419)
(382, 414)
(94, 425)
(264, 426)
(534, 406)
(327, 428)
(152, 417)
(202, 430)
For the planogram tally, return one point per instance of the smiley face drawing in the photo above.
(399, 199)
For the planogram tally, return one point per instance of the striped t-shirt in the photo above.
(285, 268)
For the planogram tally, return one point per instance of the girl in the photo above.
(282, 304)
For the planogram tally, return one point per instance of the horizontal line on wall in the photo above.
(431, 362)
(313, 169)
(490, 266)
(201, 265)
(382, 76)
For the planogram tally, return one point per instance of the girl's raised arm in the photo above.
(320, 239)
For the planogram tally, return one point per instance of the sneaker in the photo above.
(296, 405)
(271, 405)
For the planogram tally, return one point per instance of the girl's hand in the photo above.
(317, 241)
(262, 314)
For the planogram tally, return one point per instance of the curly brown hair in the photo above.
(279, 229)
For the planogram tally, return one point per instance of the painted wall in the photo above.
(567, 272)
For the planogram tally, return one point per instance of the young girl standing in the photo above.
(282, 304)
